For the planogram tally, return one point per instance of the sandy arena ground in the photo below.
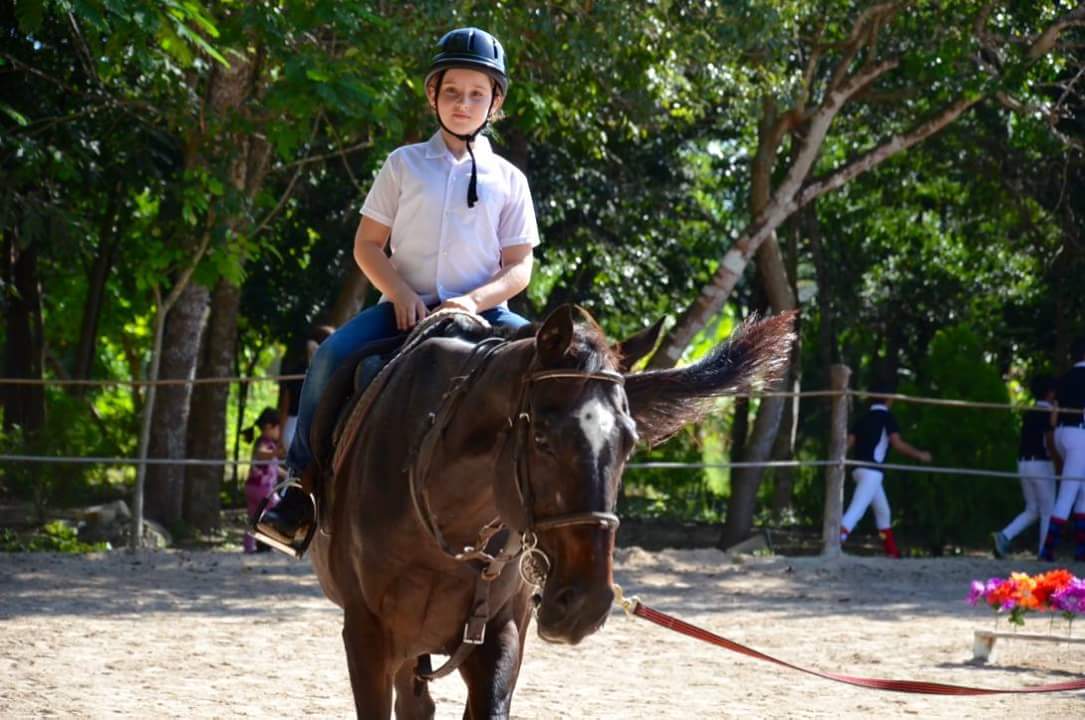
(191, 635)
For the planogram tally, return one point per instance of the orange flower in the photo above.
(1023, 587)
(1049, 583)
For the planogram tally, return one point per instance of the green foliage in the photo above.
(636, 124)
(957, 509)
(54, 536)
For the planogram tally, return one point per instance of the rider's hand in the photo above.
(925, 456)
(410, 309)
(460, 302)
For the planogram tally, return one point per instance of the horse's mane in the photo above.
(589, 351)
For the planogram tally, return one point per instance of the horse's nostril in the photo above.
(564, 601)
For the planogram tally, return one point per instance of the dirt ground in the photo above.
(195, 635)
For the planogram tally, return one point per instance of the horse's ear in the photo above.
(637, 346)
(558, 332)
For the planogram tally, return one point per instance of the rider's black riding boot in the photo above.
(288, 527)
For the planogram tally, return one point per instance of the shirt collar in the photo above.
(436, 148)
(1043, 404)
(1080, 364)
(879, 406)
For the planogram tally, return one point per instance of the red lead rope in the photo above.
(635, 607)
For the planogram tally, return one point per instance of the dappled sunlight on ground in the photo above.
(194, 635)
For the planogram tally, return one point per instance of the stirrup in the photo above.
(295, 551)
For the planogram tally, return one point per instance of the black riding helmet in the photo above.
(473, 49)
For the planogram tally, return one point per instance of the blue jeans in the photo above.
(374, 323)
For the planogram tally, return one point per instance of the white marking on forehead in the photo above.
(597, 422)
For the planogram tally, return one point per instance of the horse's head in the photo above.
(576, 423)
(573, 435)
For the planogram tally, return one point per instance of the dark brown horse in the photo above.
(476, 456)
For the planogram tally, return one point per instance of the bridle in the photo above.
(521, 431)
(534, 563)
(497, 542)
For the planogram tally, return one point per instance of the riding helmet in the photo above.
(473, 49)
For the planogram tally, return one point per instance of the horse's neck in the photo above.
(470, 462)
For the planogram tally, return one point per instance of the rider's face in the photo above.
(464, 99)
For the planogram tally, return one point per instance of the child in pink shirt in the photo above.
(263, 477)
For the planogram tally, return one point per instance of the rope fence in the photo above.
(654, 465)
(838, 394)
(847, 392)
(146, 383)
(84, 460)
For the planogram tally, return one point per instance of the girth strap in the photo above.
(474, 632)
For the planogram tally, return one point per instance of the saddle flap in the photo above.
(347, 384)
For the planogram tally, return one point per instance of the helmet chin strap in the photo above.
(472, 186)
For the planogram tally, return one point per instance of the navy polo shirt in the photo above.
(1071, 394)
(1034, 426)
(872, 431)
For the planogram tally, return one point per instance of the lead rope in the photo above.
(634, 607)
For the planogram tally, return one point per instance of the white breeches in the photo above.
(1070, 442)
(868, 491)
(1038, 487)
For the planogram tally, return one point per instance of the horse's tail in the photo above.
(755, 356)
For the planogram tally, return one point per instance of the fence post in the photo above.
(839, 375)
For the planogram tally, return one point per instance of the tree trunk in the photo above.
(743, 503)
(207, 416)
(24, 346)
(1067, 287)
(92, 306)
(247, 161)
(784, 447)
(772, 273)
(180, 351)
(828, 353)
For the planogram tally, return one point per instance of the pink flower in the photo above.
(1070, 599)
(976, 592)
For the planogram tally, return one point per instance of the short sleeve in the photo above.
(891, 425)
(382, 202)
(266, 446)
(517, 225)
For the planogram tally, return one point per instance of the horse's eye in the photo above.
(542, 442)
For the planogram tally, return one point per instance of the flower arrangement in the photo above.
(1052, 591)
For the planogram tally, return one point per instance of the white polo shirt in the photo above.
(441, 247)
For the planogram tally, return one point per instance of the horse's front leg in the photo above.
(413, 701)
(369, 664)
(491, 670)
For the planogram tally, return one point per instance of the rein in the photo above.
(634, 607)
(534, 563)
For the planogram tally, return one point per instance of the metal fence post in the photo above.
(839, 375)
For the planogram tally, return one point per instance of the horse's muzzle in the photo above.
(571, 613)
